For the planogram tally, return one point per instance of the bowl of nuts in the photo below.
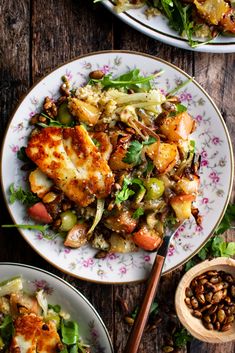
(205, 300)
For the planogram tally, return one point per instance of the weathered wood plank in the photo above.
(64, 30)
(14, 81)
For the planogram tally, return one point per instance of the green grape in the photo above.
(155, 188)
(64, 116)
(69, 219)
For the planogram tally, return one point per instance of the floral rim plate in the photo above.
(157, 28)
(212, 141)
(58, 291)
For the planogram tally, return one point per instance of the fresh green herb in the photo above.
(22, 156)
(139, 212)
(153, 310)
(56, 308)
(6, 329)
(215, 247)
(25, 197)
(69, 332)
(126, 192)
(131, 80)
(170, 221)
(227, 220)
(149, 168)
(189, 264)
(40, 228)
(181, 338)
(133, 155)
(180, 108)
(177, 88)
(52, 122)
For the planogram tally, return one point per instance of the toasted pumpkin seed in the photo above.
(217, 297)
(208, 325)
(197, 314)
(194, 302)
(188, 292)
(221, 315)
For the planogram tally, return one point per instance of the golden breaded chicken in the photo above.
(69, 157)
(32, 335)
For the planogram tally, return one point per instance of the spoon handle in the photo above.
(142, 316)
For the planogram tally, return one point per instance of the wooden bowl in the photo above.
(191, 323)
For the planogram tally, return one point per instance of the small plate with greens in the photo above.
(54, 314)
(193, 25)
(139, 123)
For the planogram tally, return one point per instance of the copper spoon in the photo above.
(155, 275)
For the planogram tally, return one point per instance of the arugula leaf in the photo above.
(41, 228)
(52, 122)
(25, 197)
(139, 212)
(125, 192)
(181, 338)
(177, 88)
(133, 155)
(130, 80)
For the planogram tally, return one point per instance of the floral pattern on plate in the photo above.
(212, 141)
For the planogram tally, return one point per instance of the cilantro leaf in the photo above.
(139, 212)
(133, 155)
(25, 197)
(130, 80)
(125, 192)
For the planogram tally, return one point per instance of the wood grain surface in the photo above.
(35, 37)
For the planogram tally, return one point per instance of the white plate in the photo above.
(91, 327)
(212, 141)
(157, 27)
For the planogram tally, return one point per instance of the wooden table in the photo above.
(37, 36)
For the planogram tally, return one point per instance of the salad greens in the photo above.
(25, 197)
(131, 80)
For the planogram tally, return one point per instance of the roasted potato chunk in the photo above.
(121, 221)
(176, 127)
(164, 157)
(182, 206)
